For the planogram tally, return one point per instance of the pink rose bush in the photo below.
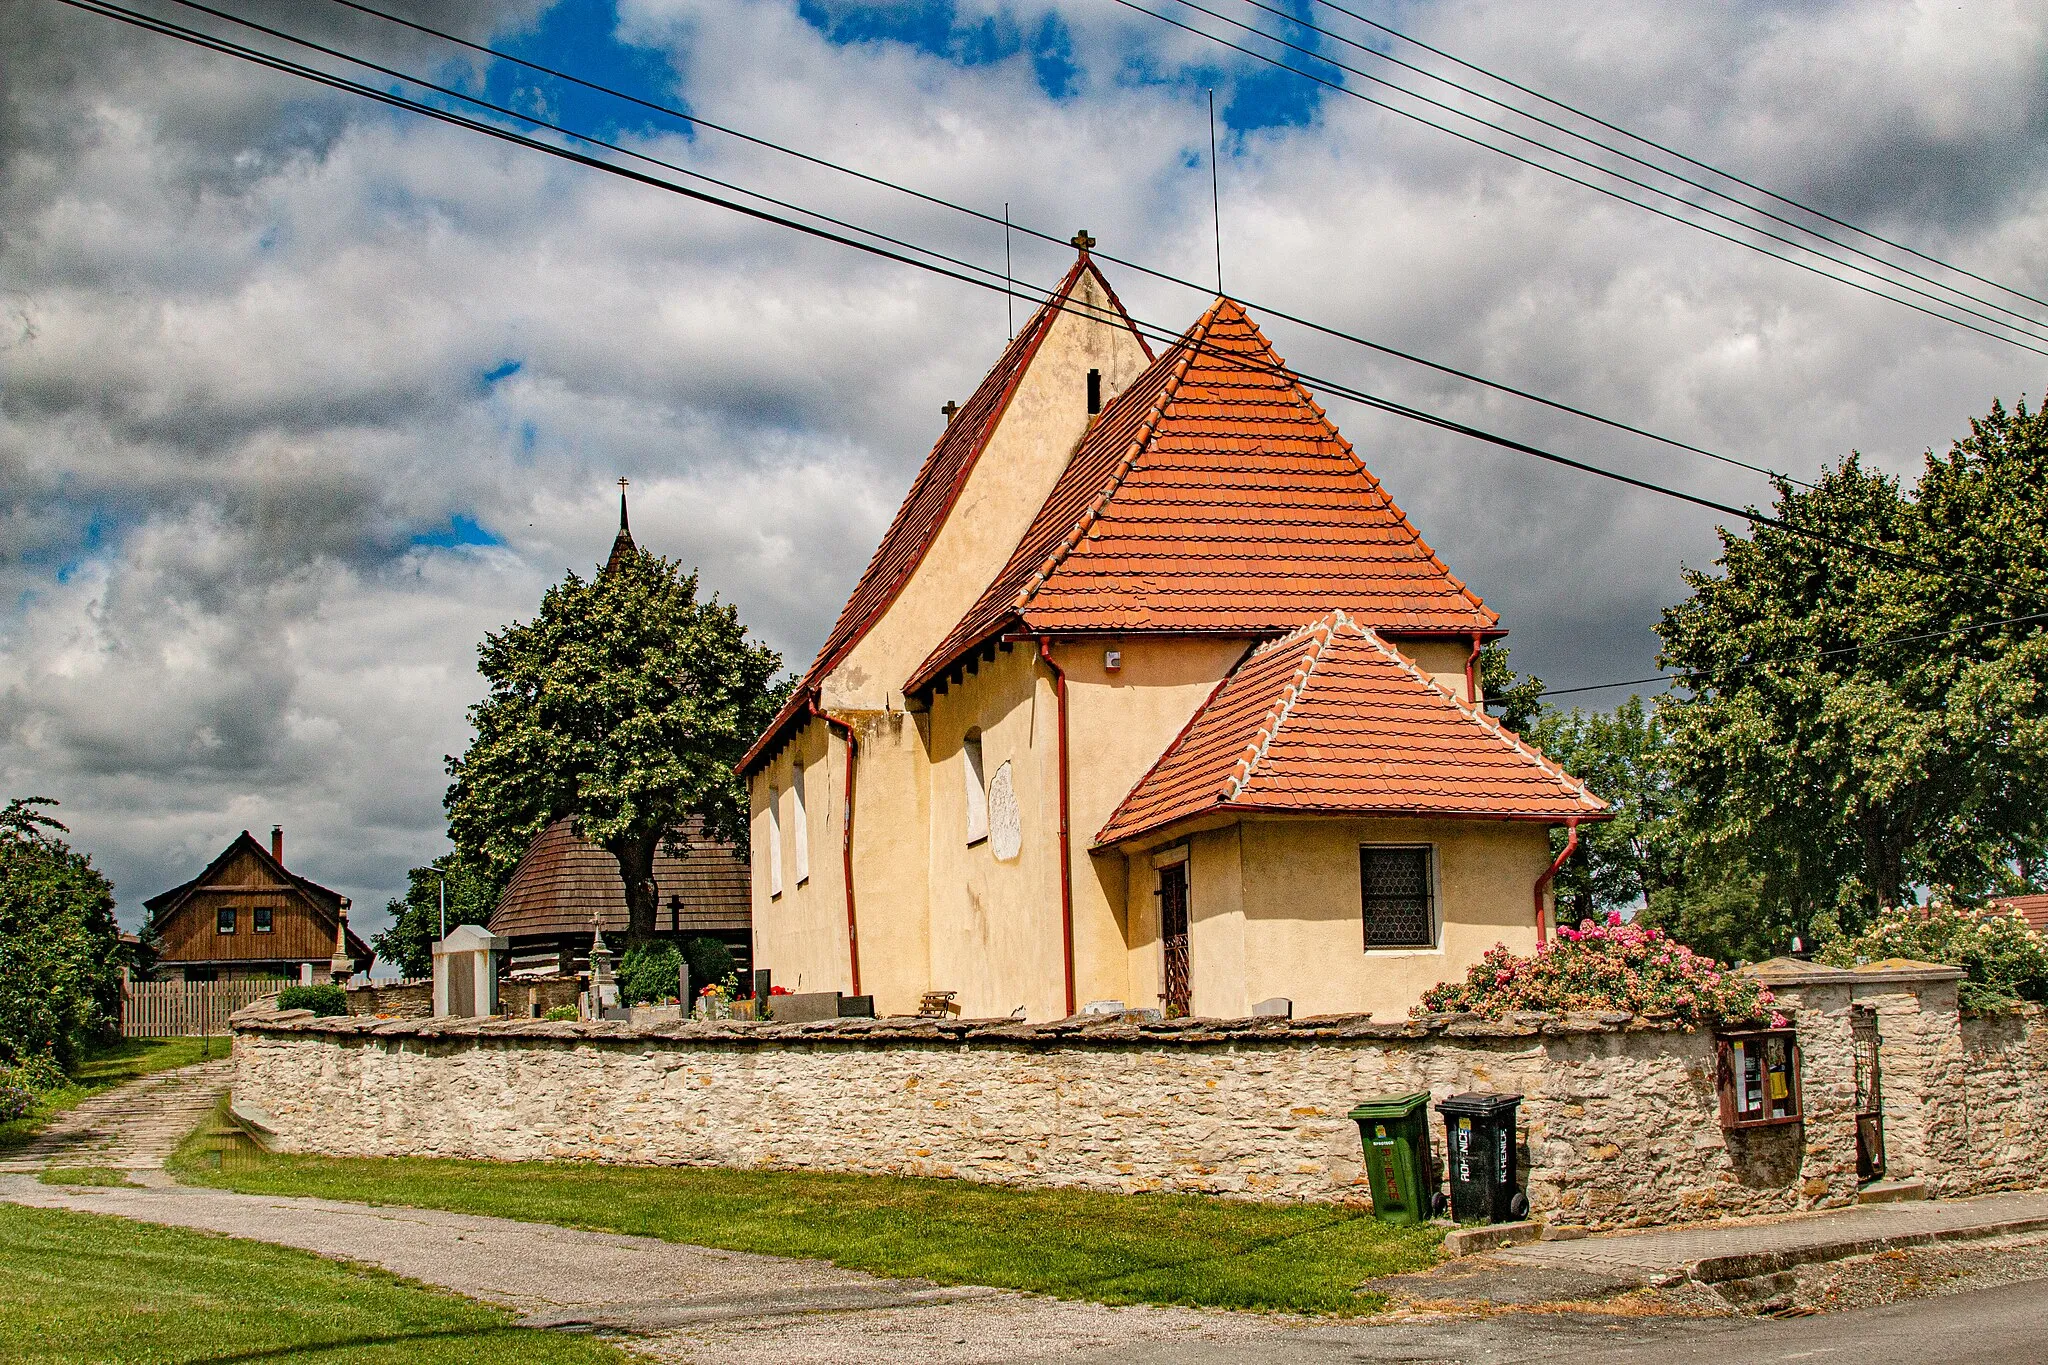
(1600, 967)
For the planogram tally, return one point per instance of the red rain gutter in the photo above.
(1472, 674)
(846, 837)
(1571, 841)
(1059, 692)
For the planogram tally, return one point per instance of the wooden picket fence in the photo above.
(181, 1009)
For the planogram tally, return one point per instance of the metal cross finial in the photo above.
(622, 484)
(950, 408)
(1082, 240)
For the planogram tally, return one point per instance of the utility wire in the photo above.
(983, 280)
(1670, 151)
(1856, 648)
(1055, 240)
(1610, 148)
(1341, 88)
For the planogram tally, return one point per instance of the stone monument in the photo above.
(466, 972)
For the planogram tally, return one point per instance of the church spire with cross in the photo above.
(622, 543)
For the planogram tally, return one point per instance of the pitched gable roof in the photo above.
(933, 493)
(1214, 495)
(1332, 719)
(326, 904)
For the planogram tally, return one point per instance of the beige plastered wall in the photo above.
(1443, 660)
(802, 934)
(1275, 911)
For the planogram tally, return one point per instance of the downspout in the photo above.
(1472, 674)
(1571, 841)
(1059, 692)
(846, 836)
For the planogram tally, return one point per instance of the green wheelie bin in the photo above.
(1395, 1132)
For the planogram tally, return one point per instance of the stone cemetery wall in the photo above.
(1620, 1124)
(2004, 1109)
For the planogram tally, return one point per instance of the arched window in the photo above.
(977, 787)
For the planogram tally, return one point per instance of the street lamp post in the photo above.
(444, 898)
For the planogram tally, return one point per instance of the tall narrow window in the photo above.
(1094, 392)
(977, 788)
(799, 826)
(1400, 904)
(1178, 995)
(774, 841)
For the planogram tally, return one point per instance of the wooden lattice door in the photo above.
(1173, 936)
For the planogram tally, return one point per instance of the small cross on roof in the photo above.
(1082, 240)
(950, 408)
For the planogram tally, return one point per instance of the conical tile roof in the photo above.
(1215, 496)
(1333, 720)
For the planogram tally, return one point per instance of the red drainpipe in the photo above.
(1472, 674)
(1059, 692)
(846, 837)
(1571, 841)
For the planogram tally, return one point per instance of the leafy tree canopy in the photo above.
(416, 916)
(1621, 756)
(1851, 734)
(2003, 960)
(625, 703)
(60, 951)
(1513, 699)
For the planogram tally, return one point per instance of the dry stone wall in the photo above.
(2004, 1108)
(1619, 1125)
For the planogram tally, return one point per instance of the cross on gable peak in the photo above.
(1082, 241)
(949, 409)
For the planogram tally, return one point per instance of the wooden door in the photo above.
(1173, 937)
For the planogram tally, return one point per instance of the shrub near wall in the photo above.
(1620, 1120)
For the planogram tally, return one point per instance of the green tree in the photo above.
(1843, 741)
(416, 916)
(1621, 757)
(625, 703)
(1513, 699)
(60, 951)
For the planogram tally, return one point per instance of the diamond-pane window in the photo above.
(1399, 909)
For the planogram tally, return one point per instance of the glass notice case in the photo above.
(1758, 1078)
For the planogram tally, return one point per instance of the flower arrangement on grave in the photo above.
(1608, 966)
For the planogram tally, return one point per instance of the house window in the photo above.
(977, 788)
(774, 841)
(224, 920)
(262, 914)
(1400, 907)
(799, 826)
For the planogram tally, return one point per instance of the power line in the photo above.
(1611, 149)
(1857, 648)
(1672, 151)
(1151, 331)
(1055, 240)
(1341, 88)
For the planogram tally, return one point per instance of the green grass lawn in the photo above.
(107, 1067)
(1113, 1248)
(78, 1287)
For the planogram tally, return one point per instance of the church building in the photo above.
(1151, 693)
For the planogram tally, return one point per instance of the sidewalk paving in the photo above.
(133, 1127)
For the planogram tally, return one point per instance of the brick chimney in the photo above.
(277, 843)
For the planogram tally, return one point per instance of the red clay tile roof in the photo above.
(563, 880)
(1333, 720)
(931, 498)
(1214, 495)
(2033, 909)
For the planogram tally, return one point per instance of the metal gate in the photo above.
(1869, 1093)
(1173, 934)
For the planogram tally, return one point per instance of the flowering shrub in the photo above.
(23, 1085)
(2003, 960)
(15, 1102)
(1610, 966)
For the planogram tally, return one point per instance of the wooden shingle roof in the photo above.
(563, 880)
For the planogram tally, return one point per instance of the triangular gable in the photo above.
(326, 903)
(1333, 720)
(1215, 496)
(932, 495)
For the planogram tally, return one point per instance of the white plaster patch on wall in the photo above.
(1005, 820)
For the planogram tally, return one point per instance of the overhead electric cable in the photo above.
(1608, 147)
(1341, 88)
(1672, 151)
(1856, 648)
(227, 47)
(1052, 239)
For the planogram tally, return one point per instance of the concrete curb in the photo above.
(1749, 1265)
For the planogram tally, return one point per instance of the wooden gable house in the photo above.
(247, 917)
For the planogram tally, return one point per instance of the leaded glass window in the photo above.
(1400, 909)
